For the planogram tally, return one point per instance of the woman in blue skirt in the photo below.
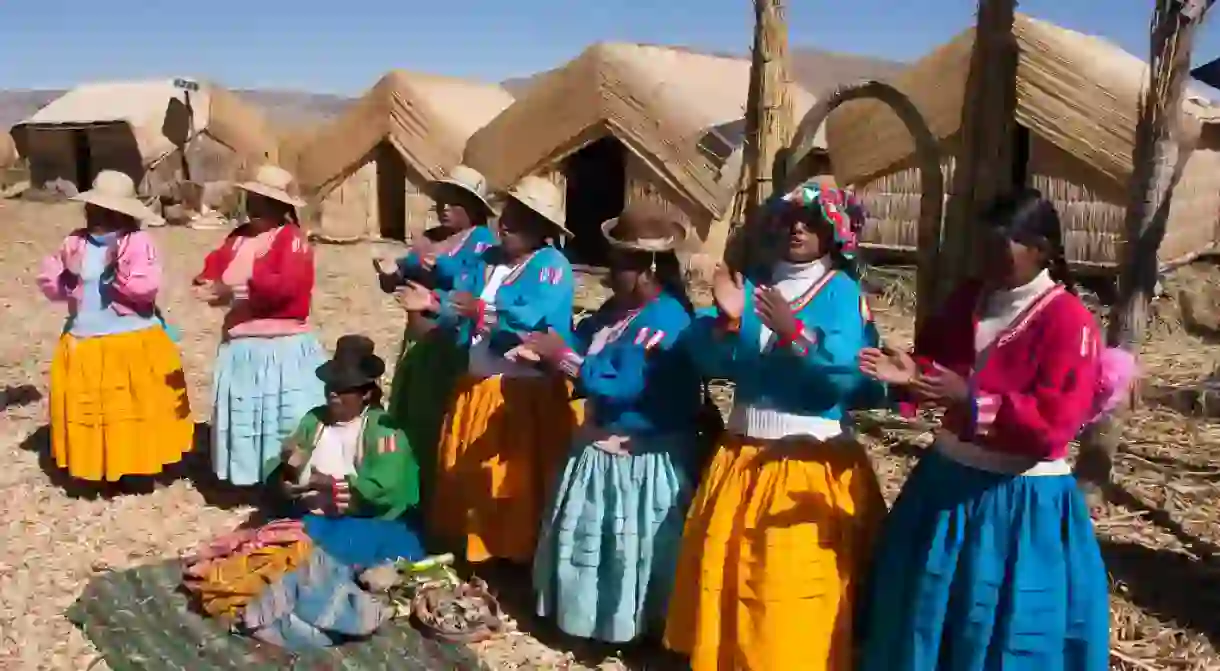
(609, 542)
(265, 378)
(988, 560)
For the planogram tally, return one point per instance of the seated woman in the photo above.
(347, 470)
(609, 542)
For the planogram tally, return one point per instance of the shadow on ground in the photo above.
(194, 467)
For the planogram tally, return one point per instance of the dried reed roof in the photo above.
(426, 118)
(8, 150)
(156, 113)
(1078, 91)
(664, 104)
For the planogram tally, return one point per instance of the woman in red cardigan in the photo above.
(265, 376)
(988, 559)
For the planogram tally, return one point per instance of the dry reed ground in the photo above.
(1159, 533)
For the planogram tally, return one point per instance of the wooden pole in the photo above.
(984, 167)
(769, 117)
(1155, 169)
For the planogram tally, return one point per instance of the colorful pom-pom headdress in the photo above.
(838, 206)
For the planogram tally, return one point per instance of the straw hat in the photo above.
(468, 180)
(115, 191)
(644, 227)
(275, 183)
(543, 197)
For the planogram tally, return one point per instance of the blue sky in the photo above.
(342, 47)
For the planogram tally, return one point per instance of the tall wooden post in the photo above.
(984, 167)
(1154, 171)
(769, 114)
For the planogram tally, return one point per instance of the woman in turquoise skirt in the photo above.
(609, 542)
(429, 366)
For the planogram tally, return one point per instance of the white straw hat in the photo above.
(275, 183)
(468, 180)
(543, 197)
(116, 191)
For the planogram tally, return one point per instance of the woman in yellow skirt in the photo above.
(780, 528)
(508, 428)
(118, 395)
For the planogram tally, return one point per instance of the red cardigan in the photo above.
(282, 282)
(1038, 380)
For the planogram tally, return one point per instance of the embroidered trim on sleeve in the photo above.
(986, 408)
(570, 363)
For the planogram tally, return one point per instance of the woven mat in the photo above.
(139, 621)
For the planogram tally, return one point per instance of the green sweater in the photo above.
(386, 483)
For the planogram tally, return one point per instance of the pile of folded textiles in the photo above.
(294, 583)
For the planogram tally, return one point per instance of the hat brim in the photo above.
(272, 193)
(347, 377)
(655, 245)
(438, 185)
(557, 223)
(131, 207)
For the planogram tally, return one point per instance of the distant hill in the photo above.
(814, 69)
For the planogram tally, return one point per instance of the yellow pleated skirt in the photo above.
(503, 443)
(118, 405)
(774, 545)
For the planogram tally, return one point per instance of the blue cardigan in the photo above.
(536, 298)
(642, 381)
(451, 265)
(817, 375)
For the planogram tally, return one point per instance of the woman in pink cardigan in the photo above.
(118, 395)
(988, 559)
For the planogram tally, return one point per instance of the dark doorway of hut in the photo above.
(596, 191)
(83, 158)
(391, 192)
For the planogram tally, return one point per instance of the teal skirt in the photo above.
(427, 371)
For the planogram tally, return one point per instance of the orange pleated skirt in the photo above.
(119, 405)
(775, 543)
(502, 445)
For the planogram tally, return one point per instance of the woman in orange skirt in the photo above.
(779, 531)
(508, 429)
(118, 394)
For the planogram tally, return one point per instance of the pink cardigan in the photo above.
(137, 275)
(1037, 384)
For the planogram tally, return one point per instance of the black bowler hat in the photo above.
(354, 365)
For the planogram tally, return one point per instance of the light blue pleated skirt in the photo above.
(263, 387)
(609, 542)
(978, 571)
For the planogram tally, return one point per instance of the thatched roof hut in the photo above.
(1077, 107)
(626, 122)
(143, 128)
(363, 171)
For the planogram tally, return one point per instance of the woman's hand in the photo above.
(549, 346)
(386, 266)
(888, 366)
(728, 292)
(941, 386)
(464, 304)
(775, 312)
(415, 297)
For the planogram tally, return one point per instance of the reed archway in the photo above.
(927, 154)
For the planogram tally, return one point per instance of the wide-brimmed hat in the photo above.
(645, 227)
(466, 179)
(354, 365)
(275, 183)
(116, 191)
(543, 197)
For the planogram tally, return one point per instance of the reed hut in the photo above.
(150, 130)
(8, 150)
(623, 123)
(1077, 107)
(363, 172)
